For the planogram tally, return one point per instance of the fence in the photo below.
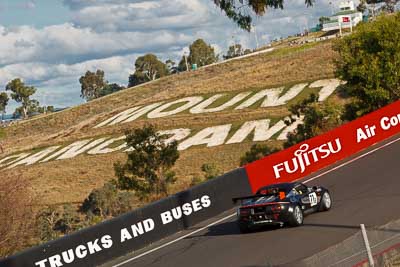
(384, 243)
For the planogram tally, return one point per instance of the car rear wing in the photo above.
(280, 194)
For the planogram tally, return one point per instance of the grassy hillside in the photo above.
(70, 181)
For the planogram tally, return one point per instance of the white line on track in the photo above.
(352, 160)
(231, 215)
(175, 240)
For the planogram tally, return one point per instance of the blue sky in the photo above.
(51, 43)
(36, 13)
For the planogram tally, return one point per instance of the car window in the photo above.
(268, 190)
(301, 189)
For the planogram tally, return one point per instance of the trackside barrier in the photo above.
(321, 151)
(139, 228)
(384, 242)
(387, 257)
(103, 242)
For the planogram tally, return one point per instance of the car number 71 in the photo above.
(313, 199)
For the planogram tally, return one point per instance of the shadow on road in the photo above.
(225, 228)
(230, 228)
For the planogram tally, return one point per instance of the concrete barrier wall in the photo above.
(113, 238)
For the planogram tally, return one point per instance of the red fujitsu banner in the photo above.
(321, 151)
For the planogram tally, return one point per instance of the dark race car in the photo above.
(281, 204)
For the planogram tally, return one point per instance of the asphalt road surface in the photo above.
(364, 190)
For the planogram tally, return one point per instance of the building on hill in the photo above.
(346, 17)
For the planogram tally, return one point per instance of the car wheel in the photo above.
(297, 217)
(326, 202)
(244, 228)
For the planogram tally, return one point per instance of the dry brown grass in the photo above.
(16, 213)
(71, 180)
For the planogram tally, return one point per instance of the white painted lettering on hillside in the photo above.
(175, 134)
(272, 98)
(197, 105)
(211, 136)
(160, 112)
(202, 107)
(328, 87)
(74, 149)
(35, 157)
(128, 115)
(105, 148)
(257, 131)
(290, 128)
(11, 159)
(262, 131)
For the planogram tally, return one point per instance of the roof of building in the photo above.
(346, 12)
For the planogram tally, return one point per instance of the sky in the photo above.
(51, 43)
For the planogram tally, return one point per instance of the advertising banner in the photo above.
(321, 151)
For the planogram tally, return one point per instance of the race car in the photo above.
(281, 204)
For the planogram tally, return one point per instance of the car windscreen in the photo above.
(272, 190)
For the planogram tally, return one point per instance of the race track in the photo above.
(366, 190)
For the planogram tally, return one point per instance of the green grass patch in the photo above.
(174, 106)
(222, 100)
(293, 49)
(303, 95)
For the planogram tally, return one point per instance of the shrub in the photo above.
(210, 171)
(107, 201)
(256, 152)
(148, 168)
(369, 61)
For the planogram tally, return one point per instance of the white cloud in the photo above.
(70, 44)
(79, 4)
(58, 83)
(144, 15)
(116, 68)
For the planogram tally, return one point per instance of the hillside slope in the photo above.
(70, 179)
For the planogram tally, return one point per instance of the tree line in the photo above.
(94, 85)
(149, 68)
(22, 93)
